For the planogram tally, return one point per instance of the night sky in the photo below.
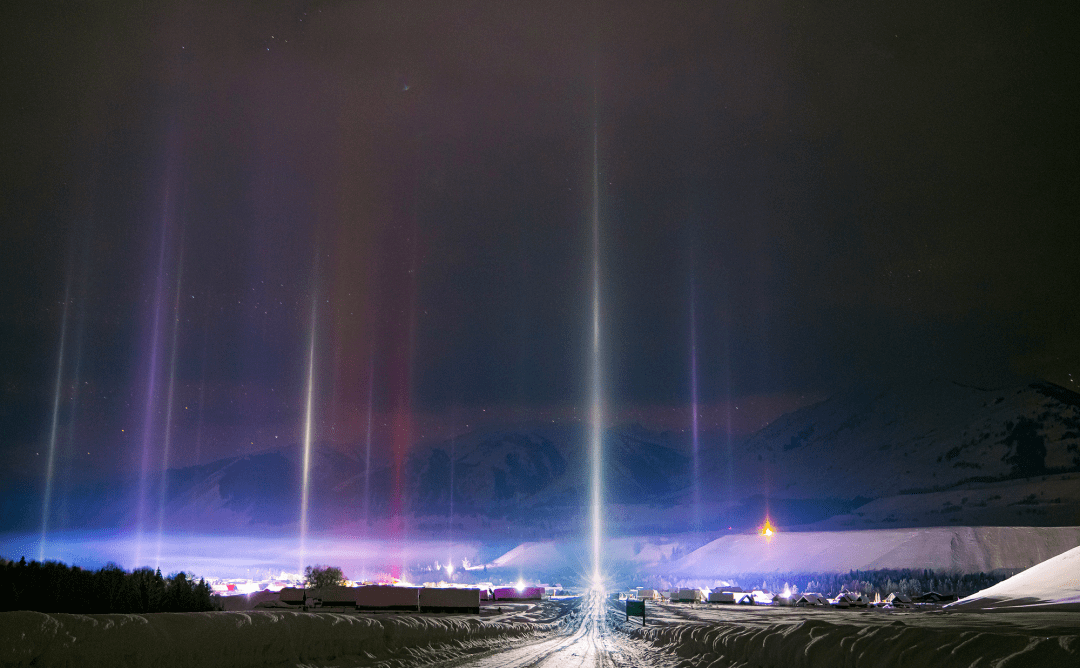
(846, 191)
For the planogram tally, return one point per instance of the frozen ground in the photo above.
(592, 636)
(270, 638)
(722, 636)
(576, 633)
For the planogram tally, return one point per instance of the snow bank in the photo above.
(817, 642)
(1051, 585)
(950, 549)
(207, 639)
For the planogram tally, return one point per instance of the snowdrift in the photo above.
(207, 639)
(1053, 585)
(949, 549)
(817, 642)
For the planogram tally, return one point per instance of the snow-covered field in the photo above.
(1037, 625)
(722, 636)
(263, 638)
(584, 632)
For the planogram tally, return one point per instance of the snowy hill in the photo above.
(945, 549)
(1053, 585)
(696, 558)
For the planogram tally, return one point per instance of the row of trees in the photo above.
(884, 582)
(52, 586)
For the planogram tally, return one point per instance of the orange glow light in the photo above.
(766, 529)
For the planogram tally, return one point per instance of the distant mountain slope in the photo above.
(514, 473)
(917, 437)
(528, 477)
(920, 454)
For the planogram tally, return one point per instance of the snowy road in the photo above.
(590, 640)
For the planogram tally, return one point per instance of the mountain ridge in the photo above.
(940, 447)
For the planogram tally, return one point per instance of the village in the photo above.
(733, 595)
(447, 597)
(371, 596)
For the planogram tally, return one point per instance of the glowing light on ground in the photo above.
(305, 480)
(596, 411)
(597, 584)
(50, 465)
(767, 529)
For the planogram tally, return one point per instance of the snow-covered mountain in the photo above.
(515, 473)
(919, 437)
(921, 454)
(531, 478)
(989, 456)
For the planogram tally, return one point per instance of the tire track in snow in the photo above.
(589, 642)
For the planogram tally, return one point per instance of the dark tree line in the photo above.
(884, 582)
(52, 586)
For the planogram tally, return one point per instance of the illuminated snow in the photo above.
(1051, 585)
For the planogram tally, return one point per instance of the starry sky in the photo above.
(840, 193)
